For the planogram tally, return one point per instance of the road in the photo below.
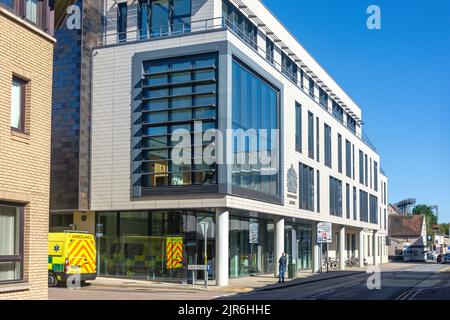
(408, 282)
(417, 282)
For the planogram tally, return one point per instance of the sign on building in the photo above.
(253, 232)
(324, 232)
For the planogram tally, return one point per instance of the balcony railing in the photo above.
(217, 24)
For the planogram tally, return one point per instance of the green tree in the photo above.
(443, 227)
(431, 218)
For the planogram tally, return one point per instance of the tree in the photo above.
(443, 228)
(431, 218)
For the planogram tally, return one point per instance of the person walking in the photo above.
(282, 267)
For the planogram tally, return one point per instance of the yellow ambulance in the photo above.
(69, 253)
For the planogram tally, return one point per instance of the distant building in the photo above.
(408, 237)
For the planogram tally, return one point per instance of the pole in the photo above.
(206, 261)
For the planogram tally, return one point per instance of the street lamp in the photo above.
(204, 227)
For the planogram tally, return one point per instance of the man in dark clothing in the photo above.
(282, 269)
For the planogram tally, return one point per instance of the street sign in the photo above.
(197, 267)
(324, 233)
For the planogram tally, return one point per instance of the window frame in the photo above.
(23, 93)
(19, 257)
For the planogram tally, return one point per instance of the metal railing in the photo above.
(218, 24)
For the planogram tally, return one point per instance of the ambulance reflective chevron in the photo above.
(71, 253)
(174, 253)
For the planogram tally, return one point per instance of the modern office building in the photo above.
(164, 67)
(26, 55)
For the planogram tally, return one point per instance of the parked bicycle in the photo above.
(330, 264)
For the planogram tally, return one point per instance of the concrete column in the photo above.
(222, 230)
(342, 255)
(316, 250)
(279, 242)
(375, 248)
(361, 248)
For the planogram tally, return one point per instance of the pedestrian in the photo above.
(282, 267)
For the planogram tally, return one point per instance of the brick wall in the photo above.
(25, 157)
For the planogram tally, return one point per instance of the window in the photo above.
(339, 153)
(366, 169)
(355, 214)
(373, 209)
(327, 138)
(353, 162)
(122, 17)
(239, 24)
(335, 197)
(363, 206)
(385, 220)
(31, 10)
(143, 18)
(160, 18)
(323, 98)
(311, 87)
(175, 93)
(256, 106)
(361, 167)
(298, 127)
(310, 135)
(18, 93)
(306, 187)
(375, 175)
(269, 50)
(8, 3)
(347, 200)
(384, 193)
(318, 191)
(370, 173)
(348, 158)
(289, 68)
(181, 16)
(317, 140)
(11, 243)
(338, 112)
(351, 123)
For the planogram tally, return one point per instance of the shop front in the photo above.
(298, 245)
(154, 245)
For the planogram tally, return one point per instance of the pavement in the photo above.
(396, 278)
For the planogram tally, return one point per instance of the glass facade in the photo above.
(175, 94)
(298, 245)
(251, 243)
(239, 24)
(255, 107)
(306, 187)
(154, 245)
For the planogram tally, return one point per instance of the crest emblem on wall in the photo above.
(292, 180)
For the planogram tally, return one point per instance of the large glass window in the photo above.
(239, 24)
(289, 67)
(31, 10)
(355, 212)
(375, 175)
(11, 243)
(348, 158)
(373, 209)
(176, 93)
(361, 167)
(310, 135)
(298, 127)
(335, 197)
(143, 18)
(327, 141)
(338, 112)
(269, 50)
(255, 108)
(155, 245)
(298, 245)
(323, 98)
(317, 140)
(306, 187)
(347, 200)
(351, 123)
(8, 3)
(318, 191)
(339, 153)
(122, 21)
(18, 104)
(363, 206)
(251, 247)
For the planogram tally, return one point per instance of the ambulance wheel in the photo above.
(52, 279)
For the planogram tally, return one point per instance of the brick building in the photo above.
(26, 55)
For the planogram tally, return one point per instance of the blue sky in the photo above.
(399, 76)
